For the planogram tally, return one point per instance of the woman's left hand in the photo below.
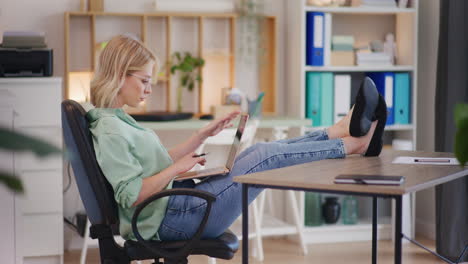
(213, 128)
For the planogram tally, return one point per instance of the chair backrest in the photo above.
(95, 191)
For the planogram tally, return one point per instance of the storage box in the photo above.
(342, 58)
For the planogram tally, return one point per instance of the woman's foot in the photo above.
(359, 145)
(371, 144)
(341, 128)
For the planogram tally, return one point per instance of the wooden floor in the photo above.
(281, 251)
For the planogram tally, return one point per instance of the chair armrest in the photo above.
(185, 250)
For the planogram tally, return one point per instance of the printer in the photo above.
(25, 54)
(18, 62)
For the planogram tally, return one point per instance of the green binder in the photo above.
(326, 100)
(313, 98)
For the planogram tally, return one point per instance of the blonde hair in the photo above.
(122, 55)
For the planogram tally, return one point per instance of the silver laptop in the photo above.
(222, 170)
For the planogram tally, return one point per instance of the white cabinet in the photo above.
(7, 198)
(37, 214)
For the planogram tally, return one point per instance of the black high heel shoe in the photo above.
(364, 110)
(376, 143)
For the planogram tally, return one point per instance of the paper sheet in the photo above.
(425, 161)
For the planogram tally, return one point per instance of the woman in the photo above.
(137, 165)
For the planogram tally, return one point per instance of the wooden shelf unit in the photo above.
(144, 29)
(267, 71)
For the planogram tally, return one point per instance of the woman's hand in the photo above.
(213, 128)
(187, 162)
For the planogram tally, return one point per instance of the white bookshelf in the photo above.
(365, 24)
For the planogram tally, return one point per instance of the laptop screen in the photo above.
(237, 140)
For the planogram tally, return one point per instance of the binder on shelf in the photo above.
(402, 98)
(385, 84)
(326, 101)
(342, 100)
(313, 98)
(315, 38)
(328, 41)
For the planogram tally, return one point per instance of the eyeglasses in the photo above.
(145, 80)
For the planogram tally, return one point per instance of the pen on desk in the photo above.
(432, 160)
(200, 155)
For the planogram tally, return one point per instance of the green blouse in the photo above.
(127, 153)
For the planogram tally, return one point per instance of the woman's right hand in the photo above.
(187, 162)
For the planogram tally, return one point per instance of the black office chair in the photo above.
(98, 199)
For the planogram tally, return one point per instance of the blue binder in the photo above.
(385, 84)
(402, 98)
(326, 101)
(313, 98)
(315, 36)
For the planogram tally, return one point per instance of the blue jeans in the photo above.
(184, 213)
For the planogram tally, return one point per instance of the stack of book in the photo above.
(23, 39)
(365, 58)
(342, 53)
(379, 3)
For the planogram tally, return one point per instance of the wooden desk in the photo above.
(318, 176)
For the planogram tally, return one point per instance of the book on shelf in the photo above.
(328, 41)
(315, 28)
(312, 102)
(402, 98)
(326, 98)
(364, 58)
(342, 99)
(319, 98)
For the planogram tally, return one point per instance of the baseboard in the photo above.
(426, 229)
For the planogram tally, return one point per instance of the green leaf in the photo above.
(177, 55)
(173, 69)
(461, 113)
(12, 182)
(184, 79)
(190, 86)
(461, 138)
(15, 141)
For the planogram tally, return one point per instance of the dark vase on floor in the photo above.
(331, 210)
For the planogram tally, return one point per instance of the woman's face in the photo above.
(136, 88)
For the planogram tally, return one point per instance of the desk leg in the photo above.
(398, 234)
(374, 229)
(245, 223)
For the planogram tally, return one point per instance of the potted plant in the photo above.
(461, 136)
(13, 141)
(187, 65)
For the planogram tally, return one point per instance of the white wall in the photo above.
(427, 65)
(46, 16)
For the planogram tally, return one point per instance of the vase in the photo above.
(313, 215)
(350, 210)
(331, 210)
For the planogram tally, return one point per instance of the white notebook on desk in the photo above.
(425, 161)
